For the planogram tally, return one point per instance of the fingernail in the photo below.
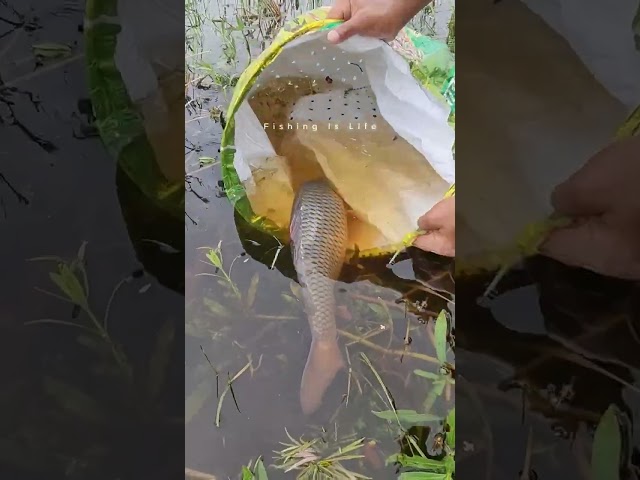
(333, 36)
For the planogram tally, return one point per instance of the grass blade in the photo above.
(607, 447)
(441, 328)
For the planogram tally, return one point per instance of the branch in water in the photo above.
(190, 474)
(21, 198)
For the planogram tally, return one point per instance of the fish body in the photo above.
(319, 242)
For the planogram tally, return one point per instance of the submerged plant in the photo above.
(607, 447)
(312, 460)
(257, 471)
(140, 394)
(71, 279)
(214, 255)
(419, 466)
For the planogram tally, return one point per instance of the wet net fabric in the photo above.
(353, 114)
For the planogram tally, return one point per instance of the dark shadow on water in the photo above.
(557, 371)
(425, 269)
(67, 409)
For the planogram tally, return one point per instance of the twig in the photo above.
(366, 298)
(40, 71)
(190, 474)
(229, 388)
(399, 353)
(366, 336)
(275, 317)
(542, 406)
(526, 469)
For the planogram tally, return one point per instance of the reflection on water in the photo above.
(550, 355)
(248, 337)
(162, 113)
(76, 398)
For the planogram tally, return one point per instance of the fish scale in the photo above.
(319, 240)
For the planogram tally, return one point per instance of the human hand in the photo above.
(439, 223)
(602, 198)
(372, 18)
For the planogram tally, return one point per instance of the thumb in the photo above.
(435, 242)
(594, 246)
(346, 30)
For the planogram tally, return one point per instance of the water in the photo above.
(58, 190)
(536, 370)
(547, 356)
(258, 321)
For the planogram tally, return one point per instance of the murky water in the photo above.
(251, 327)
(536, 370)
(64, 411)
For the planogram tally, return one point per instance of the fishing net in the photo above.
(354, 114)
(535, 124)
(136, 76)
(136, 79)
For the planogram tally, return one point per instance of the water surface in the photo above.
(257, 321)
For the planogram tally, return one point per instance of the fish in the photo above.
(318, 232)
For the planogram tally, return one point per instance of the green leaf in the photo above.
(69, 284)
(51, 50)
(196, 400)
(607, 446)
(418, 462)
(217, 308)
(429, 375)
(441, 336)
(214, 258)
(160, 359)
(451, 422)
(407, 416)
(74, 401)
(422, 476)
(207, 161)
(82, 252)
(247, 474)
(380, 310)
(450, 465)
(260, 471)
(253, 290)
(436, 390)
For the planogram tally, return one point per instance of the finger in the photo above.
(578, 196)
(439, 216)
(596, 247)
(355, 25)
(437, 243)
(340, 10)
(588, 191)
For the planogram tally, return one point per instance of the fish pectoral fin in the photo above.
(324, 362)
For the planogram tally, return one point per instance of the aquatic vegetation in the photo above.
(313, 461)
(607, 447)
(71, 279)
(245, 318)
(255, 471)
(214, 255)
(127, 392)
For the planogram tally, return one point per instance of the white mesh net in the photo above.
(353, 114)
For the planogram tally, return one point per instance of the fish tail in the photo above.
(324, 362)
